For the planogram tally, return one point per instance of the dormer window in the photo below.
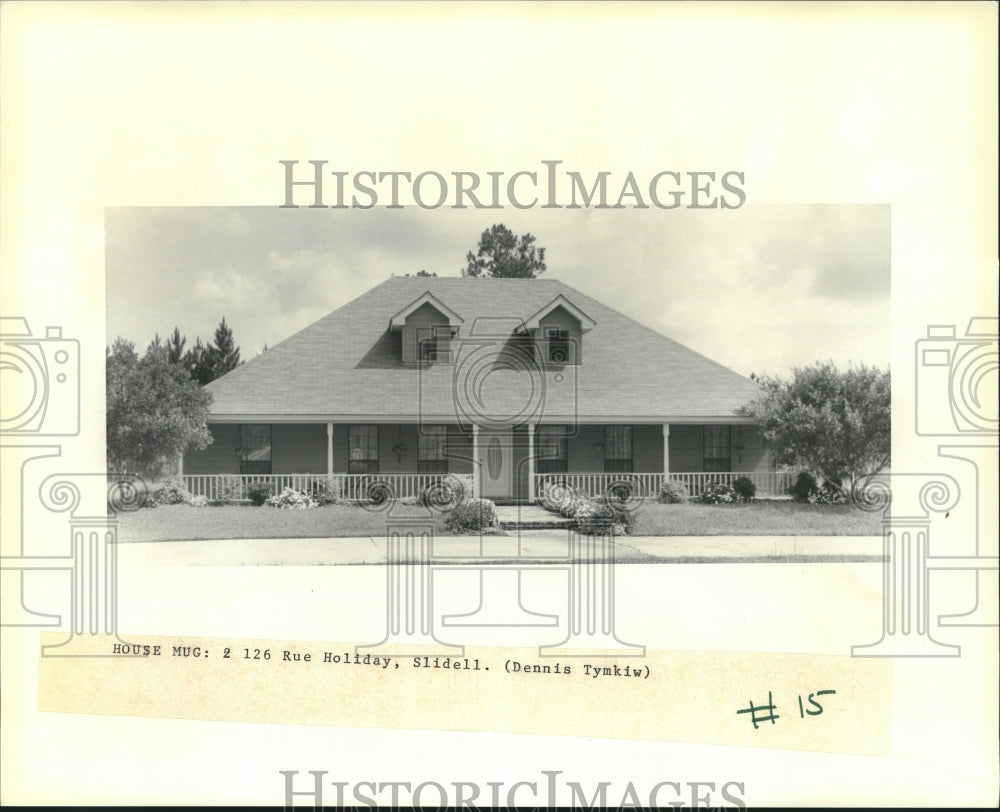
(557, 331)
(557, 341)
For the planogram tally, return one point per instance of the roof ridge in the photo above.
(657, 333)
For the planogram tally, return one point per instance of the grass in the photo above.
(761, 518)
(764, 518)
(186, 523)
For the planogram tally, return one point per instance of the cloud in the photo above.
(759, 288)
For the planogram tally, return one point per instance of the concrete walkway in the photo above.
(531, 546)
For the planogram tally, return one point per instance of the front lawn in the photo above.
(761, 518)
(186, 523)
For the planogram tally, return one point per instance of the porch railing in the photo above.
(348, 487)
(365, 487)
(769, 484)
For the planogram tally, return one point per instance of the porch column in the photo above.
(666, 450)
(180, 464)
(475, 461)
(531, 463)
(329, 449)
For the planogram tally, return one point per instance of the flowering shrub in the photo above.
(594, 519)
(806, 489)
(673, 492)
(718, 493)
(289, 498)
(828, 494)
(745, 488)
(475, 514)
(198, 501)
(562, 499)
(597, 518)
(171, 492)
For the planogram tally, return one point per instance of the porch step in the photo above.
(528, 517)
(555, 524)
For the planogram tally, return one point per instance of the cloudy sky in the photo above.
(759, 289)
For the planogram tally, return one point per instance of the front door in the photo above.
(496, 463)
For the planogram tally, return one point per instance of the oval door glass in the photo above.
(494, 458)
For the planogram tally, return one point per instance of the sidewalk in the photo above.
(533, 546)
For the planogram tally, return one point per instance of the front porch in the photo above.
(511, 464)
(365, 487)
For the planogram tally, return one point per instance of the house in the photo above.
(507, 383)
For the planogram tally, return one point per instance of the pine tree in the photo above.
(175, 347)
(224, 355)
(197, 364)
(501, 253)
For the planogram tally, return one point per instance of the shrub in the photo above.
(673, 492)
(292, 499)
(258, 492)
(717, 493)
(745, 488)
(804, 485)
(228, 488)
(325, 491)
(806, 489)
(563, 499)
(171, 492)
(475, 514)
(828, 493)
(198, 501)
(600, 518)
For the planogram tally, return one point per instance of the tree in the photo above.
(224, 354)
(500, 253)
(155, 411)
(197, 363)
(156, 345)
(205, 364)
(834, 424)
(175, 347)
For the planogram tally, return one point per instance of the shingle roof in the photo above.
(349, 363)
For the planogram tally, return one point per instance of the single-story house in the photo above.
(506, 383)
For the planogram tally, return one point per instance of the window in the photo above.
(716, 445)
(558, 345)
(255, 449)
(550, 448)
(432, 448)
(617, 449)
(363, 444)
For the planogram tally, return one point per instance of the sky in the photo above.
(763, 288)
